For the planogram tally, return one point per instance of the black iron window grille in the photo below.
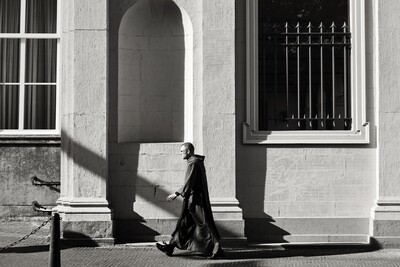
(304, 76)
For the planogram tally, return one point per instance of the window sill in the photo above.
(360, 136)
(30, 140)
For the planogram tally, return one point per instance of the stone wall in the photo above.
(385, 219)
(141, 177)
(305, 193)
(18, 164)
(143, 174)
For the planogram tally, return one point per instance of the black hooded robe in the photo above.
(196, 230)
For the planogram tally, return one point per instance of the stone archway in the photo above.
(154, 74)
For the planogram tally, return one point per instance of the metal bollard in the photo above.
(55, 255)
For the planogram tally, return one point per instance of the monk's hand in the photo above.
(171, 197)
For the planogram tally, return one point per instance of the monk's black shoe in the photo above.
(217, 255)
(166, 248)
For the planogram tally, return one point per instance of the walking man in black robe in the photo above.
(195, 230)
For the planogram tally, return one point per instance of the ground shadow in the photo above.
(26, 249)
(76, 240)
(253, 254)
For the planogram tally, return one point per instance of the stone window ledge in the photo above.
(30, 140)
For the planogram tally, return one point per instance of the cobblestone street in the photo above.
(149, 256)
(34, 251)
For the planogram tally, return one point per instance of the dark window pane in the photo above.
(9, 60)
(304, 76)
(9, 16)
(40, 107)
(9, 97)
(41, 60)
(41, 16)
(315, 11)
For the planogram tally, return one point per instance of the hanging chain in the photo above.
(28, 235)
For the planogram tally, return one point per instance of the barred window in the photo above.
(304, 72)
(29, 42)
(304, 56)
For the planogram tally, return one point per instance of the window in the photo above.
(305, 72)
(29, 47)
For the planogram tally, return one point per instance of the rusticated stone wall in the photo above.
(18, 164)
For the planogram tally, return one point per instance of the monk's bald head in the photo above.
(189, 146)
(187, 150)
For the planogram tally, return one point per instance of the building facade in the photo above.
(293, 104)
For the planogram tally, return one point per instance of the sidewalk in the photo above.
(34, 252)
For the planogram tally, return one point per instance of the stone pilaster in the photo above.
(219, 115)
(385, 225)
(83, 204)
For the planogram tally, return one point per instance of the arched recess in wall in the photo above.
(155, 73)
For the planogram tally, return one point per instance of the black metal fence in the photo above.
(304, 77)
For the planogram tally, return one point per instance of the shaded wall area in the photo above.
(316, 193)
(141, 177)
(18, 164)
(149, 86)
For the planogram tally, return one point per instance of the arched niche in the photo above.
(155, 69)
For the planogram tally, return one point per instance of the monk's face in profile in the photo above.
(185, 152)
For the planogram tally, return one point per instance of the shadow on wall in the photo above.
(250, 190)
(132, 195)
(139, 186)
(251, 160)
(147, 90)
(124, 191)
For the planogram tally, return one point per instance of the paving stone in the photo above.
(34, 251)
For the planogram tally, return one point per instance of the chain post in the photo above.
(55, 254)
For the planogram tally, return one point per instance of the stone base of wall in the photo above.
(386, 233)
(385, 223)
(386, 242)
(257, 230)
(150, 230)
(87, 230)
(307, 230)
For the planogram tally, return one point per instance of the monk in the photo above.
(195, 230)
